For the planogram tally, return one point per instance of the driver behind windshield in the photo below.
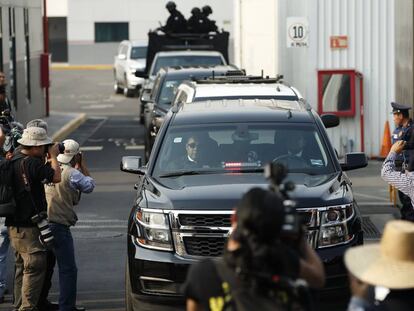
(295, 155)
(296, 144)
(192, 153)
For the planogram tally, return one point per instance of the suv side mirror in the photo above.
(354, 160)
(122, 57)
(141, 74)
(330, 120)
(132, 164)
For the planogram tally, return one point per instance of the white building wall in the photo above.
(369, 25)
(256, 29)
(142, 16)
(57, 8)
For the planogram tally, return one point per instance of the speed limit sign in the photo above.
(297, 32)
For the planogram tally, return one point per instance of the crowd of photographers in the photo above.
(40, 183)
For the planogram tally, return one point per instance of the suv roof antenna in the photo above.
(262, 73)
(213, 75)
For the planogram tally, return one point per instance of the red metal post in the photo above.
(46, 51)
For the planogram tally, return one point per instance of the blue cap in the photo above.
(397, 108)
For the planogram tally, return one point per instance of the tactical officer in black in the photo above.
(196, 22)
(176, 22)
(403, 131)
(210, 25)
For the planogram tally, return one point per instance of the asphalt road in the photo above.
(111, 131)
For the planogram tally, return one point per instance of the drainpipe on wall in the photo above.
(45, 59)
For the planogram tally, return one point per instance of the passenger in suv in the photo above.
(130, 58)
(165, 85)
(181, 215)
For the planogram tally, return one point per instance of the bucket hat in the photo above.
(34, 136)
(71, 149)
(389, 263)
(37, 123)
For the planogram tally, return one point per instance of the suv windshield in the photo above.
(187, 60)
(168, 90)
(242, 147)
(138, 52)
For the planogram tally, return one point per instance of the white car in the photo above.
(130, 58)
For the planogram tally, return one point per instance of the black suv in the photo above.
(164, 89)
(205, 157)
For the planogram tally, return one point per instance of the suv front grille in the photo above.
(203, 246)
(205, 220)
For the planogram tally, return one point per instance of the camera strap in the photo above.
(26, 182)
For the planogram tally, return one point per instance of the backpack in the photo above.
(7, 193)
(238, 298)
(7, 201)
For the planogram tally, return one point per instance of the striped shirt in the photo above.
(403, 181)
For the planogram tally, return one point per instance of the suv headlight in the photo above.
(334, 228)
(153, 230)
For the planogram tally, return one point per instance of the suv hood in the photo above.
(223, 191)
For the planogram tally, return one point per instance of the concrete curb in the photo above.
(69, 127)
(81, 67)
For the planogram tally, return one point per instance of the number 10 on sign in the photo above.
(297, 32)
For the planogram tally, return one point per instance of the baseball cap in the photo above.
(71, 149)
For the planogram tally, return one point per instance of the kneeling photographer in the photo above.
(26, 226)
(259, 269)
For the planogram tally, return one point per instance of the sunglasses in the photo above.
(192, 145)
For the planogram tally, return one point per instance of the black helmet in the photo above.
(170, 5)
(195, 11)
(207, 10)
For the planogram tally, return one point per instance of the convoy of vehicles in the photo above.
(131, 57)
(208, 137)
(182, 211)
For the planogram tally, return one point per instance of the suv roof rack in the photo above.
(234, 76)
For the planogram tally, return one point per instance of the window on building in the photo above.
(12, 41)
(111, 32)
(27, 56)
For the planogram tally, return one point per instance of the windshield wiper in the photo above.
(187, 173)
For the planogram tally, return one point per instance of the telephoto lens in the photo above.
(46, 235)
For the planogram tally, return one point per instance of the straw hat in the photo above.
(389, 263)
(71, 149)
(34, 136)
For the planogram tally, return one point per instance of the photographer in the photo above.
(31, 172)
(403, 181)
(61, 199)
(256, 260)
(7, 146)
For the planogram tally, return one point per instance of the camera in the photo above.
(61, 147)
(292, 228)
(46, 236)
(5, 120)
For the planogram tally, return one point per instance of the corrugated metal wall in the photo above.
(369, 25)
(404, 52)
